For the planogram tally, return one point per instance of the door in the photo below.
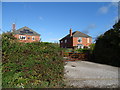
(80, 46)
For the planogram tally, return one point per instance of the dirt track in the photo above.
(83, 74)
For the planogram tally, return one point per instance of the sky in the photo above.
(53, 20)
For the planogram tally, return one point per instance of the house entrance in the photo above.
(80, 46)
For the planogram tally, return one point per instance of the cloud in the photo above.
(88, 28)
(40, 18)
(114, 4)
(105, 9)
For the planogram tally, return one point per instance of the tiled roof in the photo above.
(26, 30)
(77, 34)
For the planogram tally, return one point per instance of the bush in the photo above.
(68, 50)
(92, 46)
(31, 65)
(84, 50)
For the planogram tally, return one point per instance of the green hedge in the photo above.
(84, 50)
(31, 65)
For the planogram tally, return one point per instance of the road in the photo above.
(84, 74)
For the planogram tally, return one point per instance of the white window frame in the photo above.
(88, 40)
(33, 37)
(80, 39)
(20, 37)
(65, 40)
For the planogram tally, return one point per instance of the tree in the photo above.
(108, 46)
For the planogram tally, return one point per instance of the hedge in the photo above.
(31, 65)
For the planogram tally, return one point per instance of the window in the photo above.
(65, 40)
(88, 40)
(33, 38)
(22, 37)
(79, 39)
(61, 41)
(28, 37)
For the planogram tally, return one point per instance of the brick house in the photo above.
(75, 40)
(25, 34)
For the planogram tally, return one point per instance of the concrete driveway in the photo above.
(84, 74)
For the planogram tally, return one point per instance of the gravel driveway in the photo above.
(84, 74)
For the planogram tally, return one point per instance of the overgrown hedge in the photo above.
(31, 65)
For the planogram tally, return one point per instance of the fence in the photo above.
(72, 56)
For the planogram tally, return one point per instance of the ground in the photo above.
(84, 74)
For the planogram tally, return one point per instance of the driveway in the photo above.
(84, 74)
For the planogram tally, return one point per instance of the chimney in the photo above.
(13, 27)
(70, 32)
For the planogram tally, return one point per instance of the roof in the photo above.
(77, 34)
(25, 30)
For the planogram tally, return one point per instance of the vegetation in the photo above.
(92, 46)
(107, 48)
(31, 65)
(84, 50)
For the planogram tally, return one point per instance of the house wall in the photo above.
(37, 38)
(73, 41)
(68, 44)
(84, 41)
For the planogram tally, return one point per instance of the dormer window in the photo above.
(79, 39)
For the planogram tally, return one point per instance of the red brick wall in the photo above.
(73, 41)
(37, 38)
(68, 44)
(84, 41)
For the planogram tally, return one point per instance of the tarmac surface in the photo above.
(84, 74)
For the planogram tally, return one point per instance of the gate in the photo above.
(71, 56)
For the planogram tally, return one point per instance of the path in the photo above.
(83, 74)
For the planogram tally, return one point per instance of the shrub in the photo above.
(84, 50)
(92, 46)
(31, 65)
